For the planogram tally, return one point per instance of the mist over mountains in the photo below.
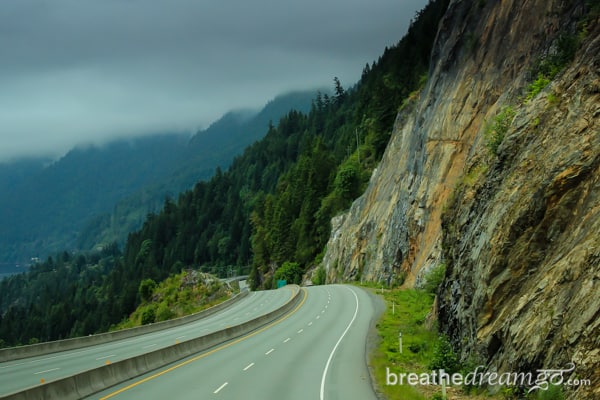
(97, 194)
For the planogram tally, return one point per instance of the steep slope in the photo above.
(43, 209)
(270, 210)
(495, 174)
(95, 195)
(213, 147)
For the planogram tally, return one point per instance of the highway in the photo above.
(317, 351)
(20, 374)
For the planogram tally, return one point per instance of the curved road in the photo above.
(21, 374)
(315, 352)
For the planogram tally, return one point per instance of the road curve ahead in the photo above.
(315, 352)
(21, 374)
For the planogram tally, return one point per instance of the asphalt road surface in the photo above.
(315, 352)
(20, 374)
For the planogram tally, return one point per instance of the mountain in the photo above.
(94, 195)
(471, 147)
(44, 209)
(13, 173)
(272, 207)
(492, 171)
(268, 212)
(209, 149)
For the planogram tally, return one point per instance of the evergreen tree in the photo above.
(270, 210)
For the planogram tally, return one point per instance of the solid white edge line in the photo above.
(336, 346)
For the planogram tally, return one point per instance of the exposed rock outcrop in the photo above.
(517, 227)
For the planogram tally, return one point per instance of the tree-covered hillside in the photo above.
(214, 146)
(275, 202)
(271, 208)
(95, 195)
(43, 209)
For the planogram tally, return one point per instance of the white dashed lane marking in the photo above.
(220, 388)
(48, 370)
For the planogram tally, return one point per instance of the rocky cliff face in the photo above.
(516, 221)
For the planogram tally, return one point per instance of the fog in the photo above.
(88, 71)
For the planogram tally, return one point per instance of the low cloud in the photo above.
(81, 71)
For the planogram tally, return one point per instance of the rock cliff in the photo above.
(494, 171)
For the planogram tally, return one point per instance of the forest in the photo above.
(269, 213)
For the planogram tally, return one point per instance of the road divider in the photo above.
(92, 381)
(40, 349)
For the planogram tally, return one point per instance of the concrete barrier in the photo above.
(34, 350)
(95, 380)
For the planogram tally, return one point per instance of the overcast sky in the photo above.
(86, 71)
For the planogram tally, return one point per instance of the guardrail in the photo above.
(95, 380)
(39, 349)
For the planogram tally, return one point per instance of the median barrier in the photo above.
(95, 380)
(39, 349)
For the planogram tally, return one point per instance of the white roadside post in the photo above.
(400, 341)
(444, 389)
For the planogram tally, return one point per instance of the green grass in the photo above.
(423, 350)
(175, 297)
(406, 312)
